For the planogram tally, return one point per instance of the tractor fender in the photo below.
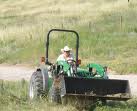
(44, 72)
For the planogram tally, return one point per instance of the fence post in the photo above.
(121, 23)
(89, 25)
(1, 86)
(62, 26)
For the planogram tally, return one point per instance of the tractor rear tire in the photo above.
(36, 86)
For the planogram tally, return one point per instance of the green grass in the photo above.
(107, 31)
(14, 97)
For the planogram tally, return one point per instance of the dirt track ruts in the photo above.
(18, 72)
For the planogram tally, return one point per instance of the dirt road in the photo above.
(15, 72)
(18, 72)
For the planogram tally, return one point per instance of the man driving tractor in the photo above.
(66, 54)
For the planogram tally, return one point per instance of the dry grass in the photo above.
(19, 18)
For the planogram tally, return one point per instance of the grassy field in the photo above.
(14, 97)
(108, 35)
(107, 30)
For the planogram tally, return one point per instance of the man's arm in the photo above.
(61, 58)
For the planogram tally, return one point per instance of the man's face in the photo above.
(66, 53)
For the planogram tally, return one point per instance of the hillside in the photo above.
(107, 30)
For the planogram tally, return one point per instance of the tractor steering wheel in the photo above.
(72, 64)
(71, 61)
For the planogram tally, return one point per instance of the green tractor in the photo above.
(67, 80)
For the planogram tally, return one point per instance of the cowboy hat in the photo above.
(66, 48)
